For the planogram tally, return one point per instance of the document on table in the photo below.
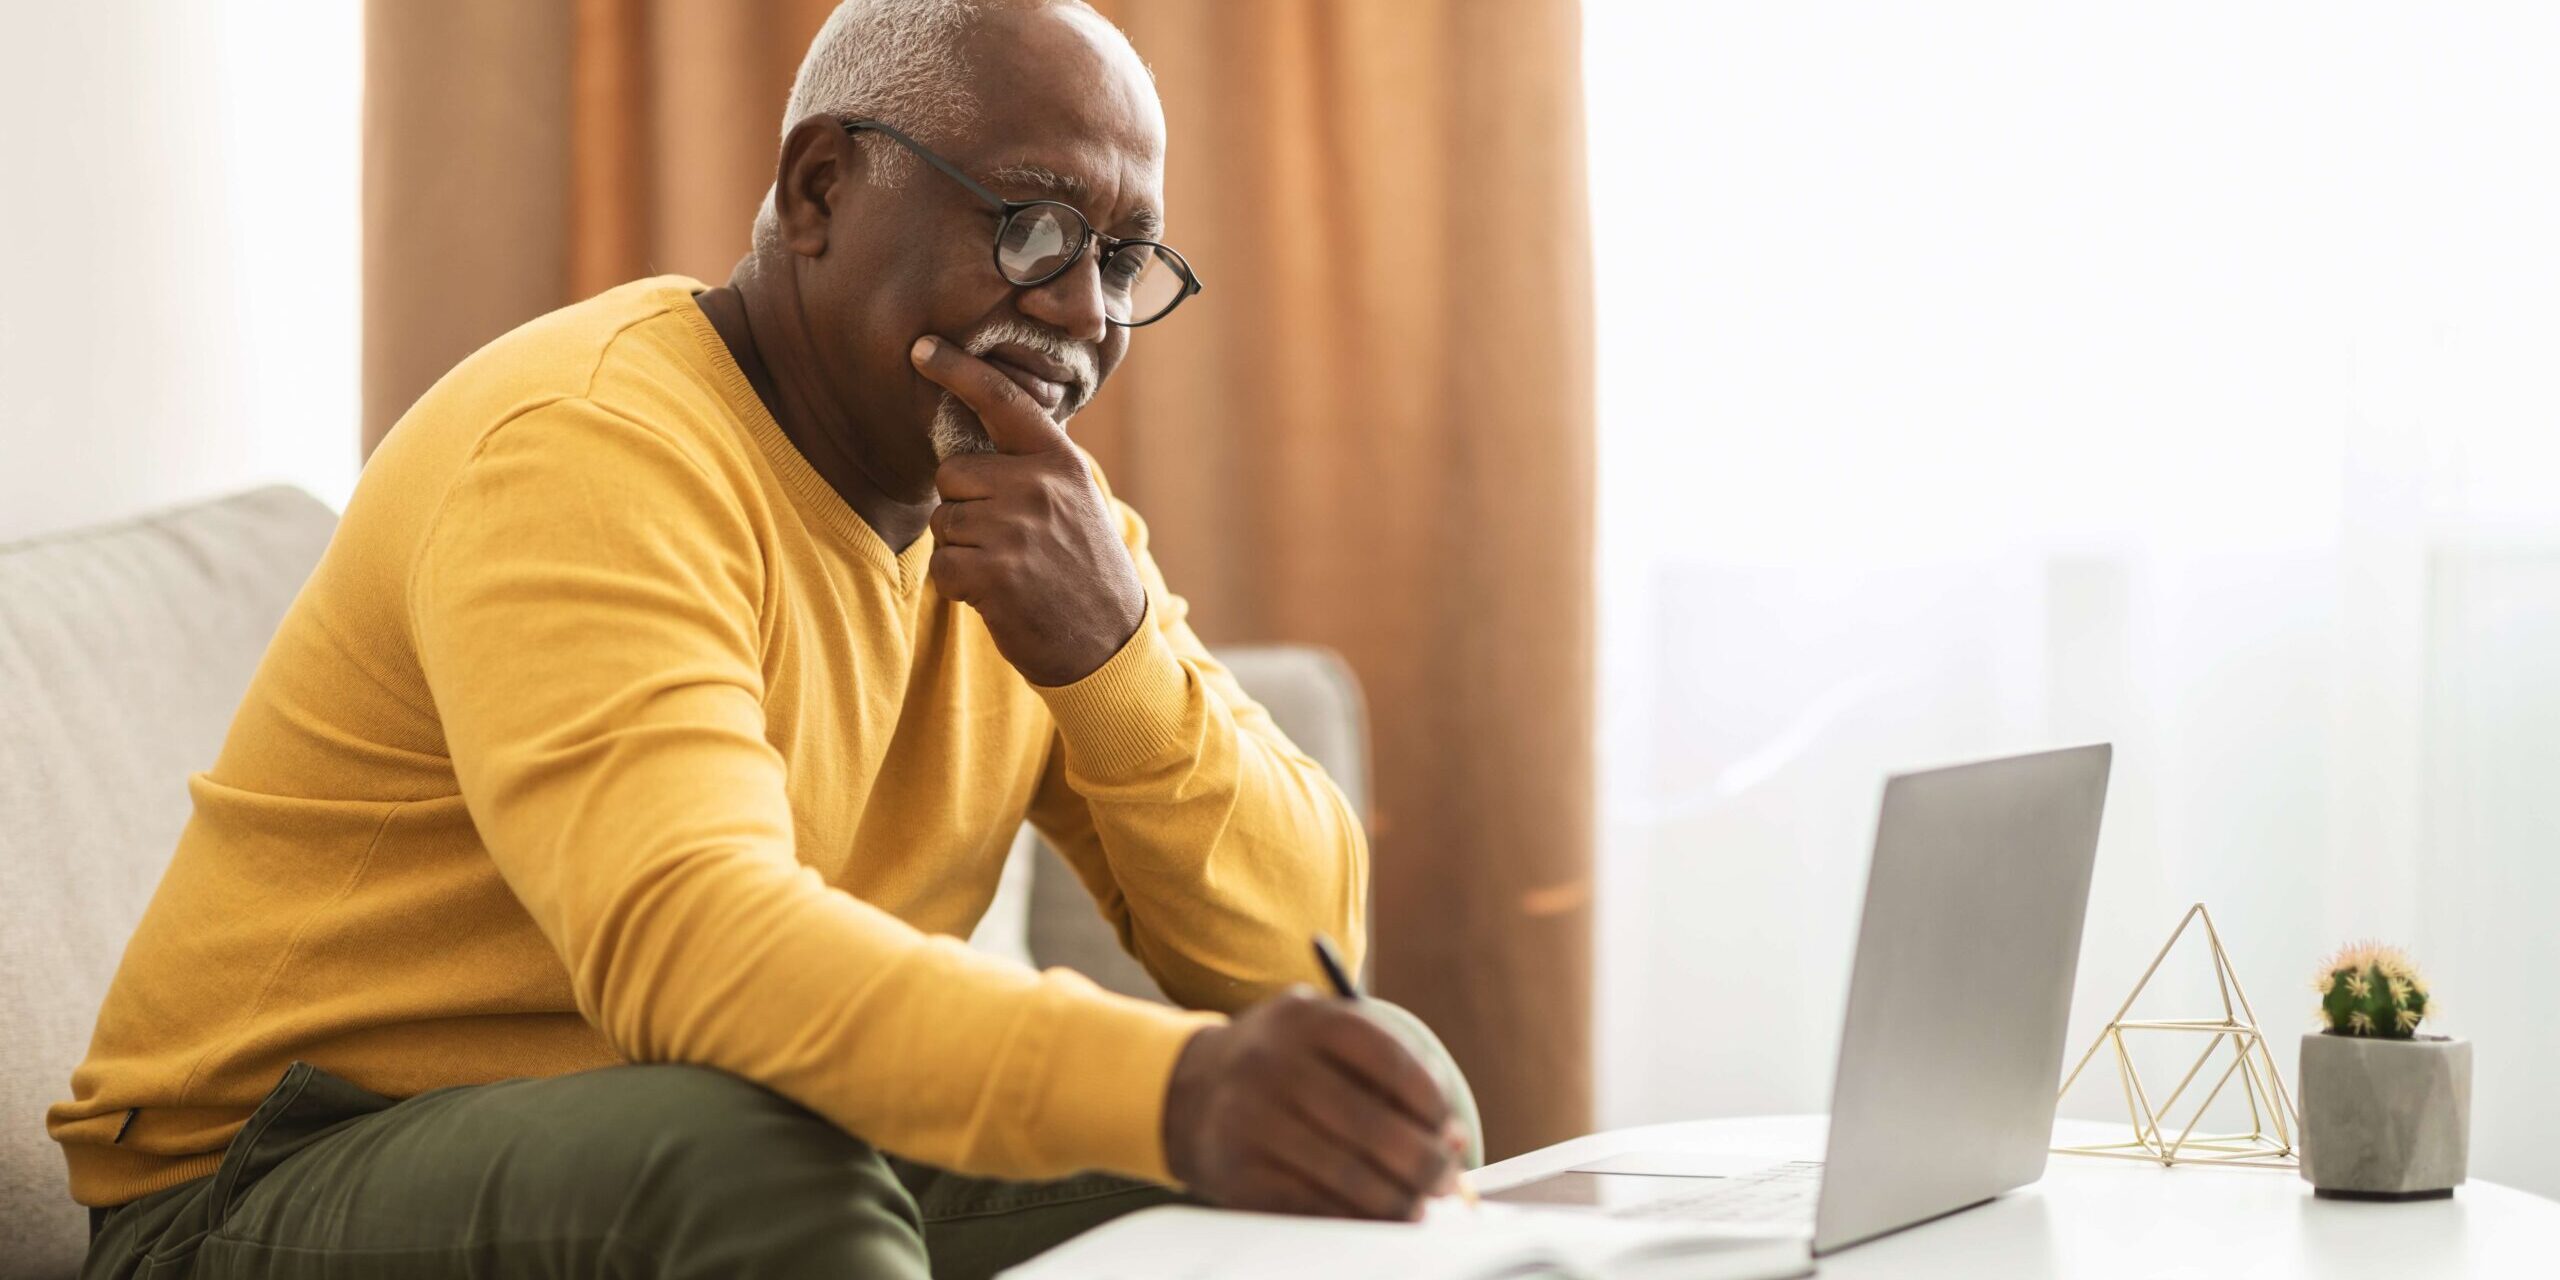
(1495, 1242)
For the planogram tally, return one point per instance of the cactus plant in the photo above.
(2368, 989)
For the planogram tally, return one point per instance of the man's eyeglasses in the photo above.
(1038, 240)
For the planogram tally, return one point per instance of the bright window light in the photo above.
(1987, 377)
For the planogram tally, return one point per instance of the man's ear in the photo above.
(818, 156)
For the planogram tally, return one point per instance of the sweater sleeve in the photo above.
(1213, 845)
(586, 607)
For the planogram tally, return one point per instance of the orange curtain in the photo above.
(1373, 431)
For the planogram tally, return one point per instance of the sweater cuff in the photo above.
(1129, 711)
(1103, 1099)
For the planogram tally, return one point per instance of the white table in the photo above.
(2094, 1217)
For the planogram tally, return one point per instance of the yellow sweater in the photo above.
(605, 731)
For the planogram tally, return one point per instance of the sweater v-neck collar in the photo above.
(809, 491)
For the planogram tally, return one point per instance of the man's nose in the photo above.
(1072, 303)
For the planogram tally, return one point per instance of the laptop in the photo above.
(1945, 1090)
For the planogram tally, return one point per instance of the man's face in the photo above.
(1064, 113)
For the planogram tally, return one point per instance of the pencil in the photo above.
(1339, 975)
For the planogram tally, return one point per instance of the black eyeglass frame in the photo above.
(1008, 209)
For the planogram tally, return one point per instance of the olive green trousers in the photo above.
(628, 1171)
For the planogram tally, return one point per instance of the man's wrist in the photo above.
(1185, 1092)
(1107, 644)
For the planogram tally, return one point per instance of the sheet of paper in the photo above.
(1678, 1164)
(1181, 1243)
(1452, 1241)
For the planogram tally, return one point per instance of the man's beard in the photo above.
(956, 430)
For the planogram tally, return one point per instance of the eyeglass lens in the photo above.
(1138, 283)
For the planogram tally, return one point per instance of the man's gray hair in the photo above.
(892, 60)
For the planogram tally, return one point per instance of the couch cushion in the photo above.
(124, 651)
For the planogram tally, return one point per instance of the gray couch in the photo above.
(124, 650)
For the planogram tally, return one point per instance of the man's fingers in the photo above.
(1370, 1054)
(1266, 1185)
(1410, 1155)
(1339, 1170)
(959, 573)
(1012, 418)
(967, 477)
(949, 523)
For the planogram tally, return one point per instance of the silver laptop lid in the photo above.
(1961, 989)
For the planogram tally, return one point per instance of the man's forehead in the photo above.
(1066, 111)
(1031, 179)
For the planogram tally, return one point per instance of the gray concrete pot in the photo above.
(2385, 1119)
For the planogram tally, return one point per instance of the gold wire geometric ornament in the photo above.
(2269, 1105)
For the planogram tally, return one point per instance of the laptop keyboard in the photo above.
(1780, 1193)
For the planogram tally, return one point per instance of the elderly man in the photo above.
(576, 890)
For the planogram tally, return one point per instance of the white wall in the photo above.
(1980, 377)
(178, 223)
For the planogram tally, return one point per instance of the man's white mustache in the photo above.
(1079, 358)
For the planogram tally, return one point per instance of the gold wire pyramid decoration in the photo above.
(2273, 1121)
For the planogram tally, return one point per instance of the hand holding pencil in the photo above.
(1304, 1104)
(1339, 976)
